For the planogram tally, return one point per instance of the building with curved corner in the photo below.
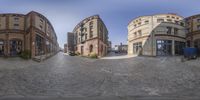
(193, 31)
(90, 37)
(31, 32)
(156, 35)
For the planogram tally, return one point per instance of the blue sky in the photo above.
(116, 14)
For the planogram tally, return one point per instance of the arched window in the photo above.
(91, 48)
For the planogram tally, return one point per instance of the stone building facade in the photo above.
(91, 36)
(193, 31)
(32, 32)
(156, 35)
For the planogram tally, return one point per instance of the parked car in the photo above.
(72, 54)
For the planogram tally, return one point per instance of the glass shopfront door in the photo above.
(1, 48)
(164, 47)
(15, 47)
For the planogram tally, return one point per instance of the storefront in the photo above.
(179, 46)
(39, 45)
(15, 47)
(137, 48)
(164, 47)
(1, 48)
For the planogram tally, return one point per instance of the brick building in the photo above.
(91, 36)
(193, 31)
(32, 32)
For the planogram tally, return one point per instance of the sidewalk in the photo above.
(113, 55)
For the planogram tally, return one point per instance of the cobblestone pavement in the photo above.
(66, 76)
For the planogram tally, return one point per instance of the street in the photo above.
(66, 76)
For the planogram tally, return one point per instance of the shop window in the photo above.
(164, 47)
(39, 45)
(15, 47)
(1, 48)
(137, 48)
(179, 46)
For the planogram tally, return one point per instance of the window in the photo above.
(198, 27)
(140, 32)
(198, 20)
(139, 23)
(169, 30)
(91, 48)
(135, 34)
(176, 22)
(173, 17)
(1, 47)
(16, 19)
(41, 27)
(137, 48)
(146, 22)
(91, 34)
(169, 20)
(91, 23)
(16, 24)
(160, 20)
(91, 27)
(179, 47)
(86, 36)
(168, 16)
(39, 48)
(175, 31)
(181, 23)
(41, 21)
(164, 47)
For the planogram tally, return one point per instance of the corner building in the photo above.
(32, 32)
(91, 36)
(193, 31)
(156, 35)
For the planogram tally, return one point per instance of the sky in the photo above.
(116, 14)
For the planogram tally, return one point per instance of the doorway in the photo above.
(15, 47)
(164, 47)
(82, 50)
(1, 48)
